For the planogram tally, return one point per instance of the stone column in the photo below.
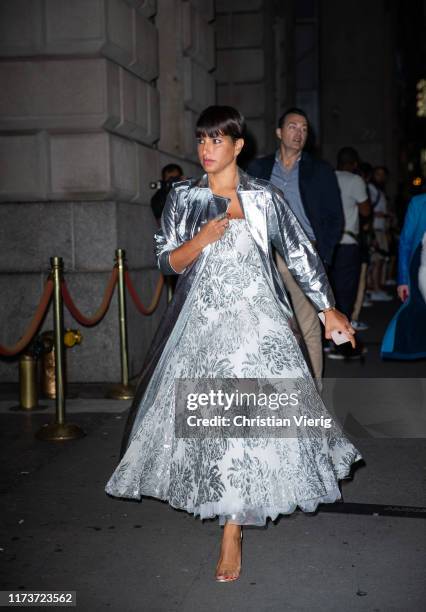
(357, 85)
(85, 126)
(252, 64)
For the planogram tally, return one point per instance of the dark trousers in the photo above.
(344, 276)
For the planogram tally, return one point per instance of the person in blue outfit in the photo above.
(405, 337)
(229, 319)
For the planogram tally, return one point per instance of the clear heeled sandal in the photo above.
(224, 576)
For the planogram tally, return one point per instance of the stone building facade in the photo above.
(90, 110)
(97, 95)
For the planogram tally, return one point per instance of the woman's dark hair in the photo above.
(220, 120)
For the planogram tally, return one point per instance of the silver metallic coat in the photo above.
(272, 224)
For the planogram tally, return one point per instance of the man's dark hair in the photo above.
(347, 155)
(217, 121)
(170, 168)
(366, 169)
(292, 111)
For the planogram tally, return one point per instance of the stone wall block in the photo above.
(147, 123)
(205, 7)
(127, 118)
(197, 37)
(123, 161)
(145, 48)
(51, 95)
(240, 30)
(113, 28)
(23, 167)
(238, 6)
(147, 8)
(249, 98)
(80, 167)
(135, 233)
(189, 121)
(240, 66)
(199, 86)
(73, 28)
(224, 34)
(94, 227)
(119, 32)
(153, 96)
(148, 171)
(21, 27)
(114, 102)
(32, 233)
(258, 129)
(73, 166)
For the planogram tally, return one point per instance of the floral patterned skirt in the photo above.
(235, 329)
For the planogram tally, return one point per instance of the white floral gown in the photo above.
(236, 328)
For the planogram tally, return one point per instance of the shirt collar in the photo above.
(278, 158)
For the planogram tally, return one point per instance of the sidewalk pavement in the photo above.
(60, 531)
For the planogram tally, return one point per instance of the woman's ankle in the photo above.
(232, 531)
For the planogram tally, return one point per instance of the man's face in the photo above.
(380, 176)
(171, 175)
(294, 132)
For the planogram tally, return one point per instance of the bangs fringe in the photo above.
(217, 121)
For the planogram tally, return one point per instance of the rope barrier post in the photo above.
(28, 388)
(59, 430)
(122, 391)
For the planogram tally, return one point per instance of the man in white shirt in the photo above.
(346, 265)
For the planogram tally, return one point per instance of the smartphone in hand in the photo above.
(338, 337)
(220, 217)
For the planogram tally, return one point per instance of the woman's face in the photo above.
(216, 154)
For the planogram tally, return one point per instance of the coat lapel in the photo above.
(209, 205)
(253, 203)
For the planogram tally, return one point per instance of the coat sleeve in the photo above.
(166, 238)
(301, 257)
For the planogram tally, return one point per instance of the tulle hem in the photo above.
(246, 516)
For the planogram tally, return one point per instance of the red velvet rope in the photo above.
(100, 313)
(9, 351)
(145, 310)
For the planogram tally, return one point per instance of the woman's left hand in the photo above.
(337, 321)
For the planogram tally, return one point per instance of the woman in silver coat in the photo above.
(230, 318)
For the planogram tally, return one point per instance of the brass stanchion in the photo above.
(123, 390)
(59, 430)
(28, 397)
(48, 361)
(28, 389)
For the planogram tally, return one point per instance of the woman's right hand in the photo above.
(187, 252)
(212, 231)
(403, 292)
